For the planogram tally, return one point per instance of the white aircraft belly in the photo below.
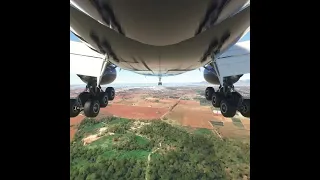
(182, 56)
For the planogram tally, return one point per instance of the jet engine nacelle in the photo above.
(109, 75)
(211, 77)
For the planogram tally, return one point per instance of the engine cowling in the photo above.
(210, 75)
(109, 75)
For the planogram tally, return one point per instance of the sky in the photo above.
(130, 77)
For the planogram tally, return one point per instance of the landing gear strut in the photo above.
(160, 83)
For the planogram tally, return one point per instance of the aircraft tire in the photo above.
(227, 108)
(91, 108)
(74, 111)
(216, 99)
(103, 99)
(208, 93)
(236, 96)
(84, 96)
(245, 110)
(111, 93)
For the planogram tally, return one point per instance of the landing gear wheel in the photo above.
(216, 99)
(111, 93)
(227, 108)
(103, 99)
(245, 110)
(91, 108)
(74, 110)
(84, 96)
(208, 93)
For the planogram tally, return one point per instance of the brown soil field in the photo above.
(189, 102)
(189, 114)
(246, 123)
(117, 99)
(76, 120)
(73, 123)
(168, 101)
(230, 130)
(134, 112)
(194, 117)
(161, 104)
(146, 104)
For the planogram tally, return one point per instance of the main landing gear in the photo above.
(228, 100)
(159, 83)
(91, 100)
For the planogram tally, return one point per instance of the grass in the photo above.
(203, 101)
(203, 131)
(237, 122)
(119, 121)
(92, 129)
(105, 141)
(217, 123)
(141, 140)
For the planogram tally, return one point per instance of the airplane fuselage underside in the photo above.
(153, 37)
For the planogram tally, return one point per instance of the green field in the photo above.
(237, 122)
(203, 101)
(178, 153)
(216, 123)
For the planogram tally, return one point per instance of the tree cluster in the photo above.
(182, 155)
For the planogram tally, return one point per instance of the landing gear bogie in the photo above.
(91, 101)
(228, 100)
(74, 108)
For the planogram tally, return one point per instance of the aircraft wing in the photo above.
(84, 60)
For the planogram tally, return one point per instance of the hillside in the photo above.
(117, 148)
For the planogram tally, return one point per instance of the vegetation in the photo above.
(123, 149)
(185, 98)
(217, 123)
(203, 101)
(201, 92)
(174, 97)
